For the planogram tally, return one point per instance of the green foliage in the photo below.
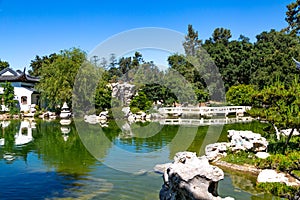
(241, 158)
(278, 189)
(285, 163)
(192, 43)
(8, 98)
(221, 35)
(279, 105)
(240, 95)
(37, 64)
(57, 77)
(134, 110)
(3, 64)
(141, 102)
(272, 58)
(293, 17)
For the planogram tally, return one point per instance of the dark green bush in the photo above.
(278, 189)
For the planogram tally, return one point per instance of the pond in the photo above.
(47, 160)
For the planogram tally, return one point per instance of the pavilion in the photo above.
(23, 85)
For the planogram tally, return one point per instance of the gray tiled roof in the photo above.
(17, 77)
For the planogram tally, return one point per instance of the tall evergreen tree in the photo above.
(192, 43)
(293, 17)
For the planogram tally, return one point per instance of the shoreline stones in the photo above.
(239, 141)
(190, 178)
(271, 176)
(247, 140)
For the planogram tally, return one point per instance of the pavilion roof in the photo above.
(11, 75)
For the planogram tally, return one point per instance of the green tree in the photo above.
(272, 58)
(240, 95)
(38, 62)
(141, 102)
(221, 35)
(192, 43)
(8, 98)
(293, 17)
(279, 104)
(57, 77)
(3, 64)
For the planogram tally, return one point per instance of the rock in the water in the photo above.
(247, 140)
(271, 176)
(191, 178)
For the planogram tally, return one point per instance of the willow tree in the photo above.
(279, 104)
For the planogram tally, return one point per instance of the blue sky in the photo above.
(30, 28)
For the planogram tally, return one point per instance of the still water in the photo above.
(46, 160)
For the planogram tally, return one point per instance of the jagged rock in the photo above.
(247, 140)
(126, 111)
(271, 176)
(191, 178)
(103, 116)
(161, 168)
(216, 151)
(239, 140)
(123, 92)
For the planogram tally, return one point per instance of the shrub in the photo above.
(278, 189)
(285, 163)
(134, 110)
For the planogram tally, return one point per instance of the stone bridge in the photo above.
(204, 111)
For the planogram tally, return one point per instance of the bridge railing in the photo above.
(204, 110)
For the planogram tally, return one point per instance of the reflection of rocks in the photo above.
(90, 188)
(269, 175)
(9, 156)
(65, 121)
(94, 119)
(244, 181)
(124, 92)
(189, 177)
(65, 130)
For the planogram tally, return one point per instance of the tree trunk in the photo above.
(277, 132)
(287, 141)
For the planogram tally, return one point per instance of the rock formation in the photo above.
(271, 176)
(247, 140)
(191, 178)
(124, 92)
(239, 140)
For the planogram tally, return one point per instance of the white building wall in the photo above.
(19, 93)
(23, 92)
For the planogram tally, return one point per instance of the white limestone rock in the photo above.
(271, 176)
(216, 151)
(124, 92)
(247, 140)
(190, 177)
(262, 155)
